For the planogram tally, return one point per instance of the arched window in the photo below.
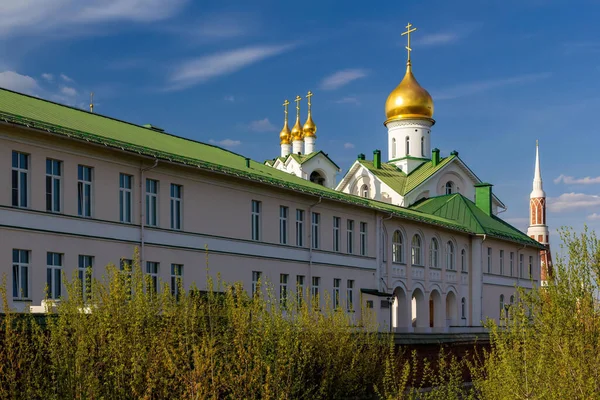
(463, 308)
(397, 248)
(422, 147)
(317, 178)
(407, 145)
(364, 191)
(433, 254)
(463, 260)
(415, 250)
(501, 305)
(449, 187)
(450, 256)
(393, 147)
(512, 300)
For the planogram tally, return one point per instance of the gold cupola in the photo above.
(409, 100)
(309, 128)
(297, 132)
(285, 134)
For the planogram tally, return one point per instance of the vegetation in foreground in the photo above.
(125, 342)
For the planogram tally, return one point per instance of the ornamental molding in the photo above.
(409, 123)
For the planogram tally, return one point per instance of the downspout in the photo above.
(141, 205)
(310, 244)
(385, 235)
(481, 285)
(382, 251)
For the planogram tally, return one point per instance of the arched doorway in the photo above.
(436, 319)
(317, 177)
(451, 309)
(418, 309)
(400, 311)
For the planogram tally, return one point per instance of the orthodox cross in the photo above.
(308, 96)
(407, 33)
(298, 100)
(286, 103)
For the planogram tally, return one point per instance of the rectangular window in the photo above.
(256, 220)
(283, 225)
(299, 289)
(350, 236)
(53, 185)
(530, 267)
(125, 266)
(86, 263)
(363, 238)
(20, 176)
(151, 202)
(501, 262)
(336, 292)
(336, 233)
(314, 291)
(125, 200)
(283, 289)
(256, 275)
(54, 263)
(350, 294)
(176, 280)
(521, 266)
(176, 207)
(512, 263)
(316, 218)
(20, 274)
(489, 260)
(300, 228)
(152, 272)
(84, 191)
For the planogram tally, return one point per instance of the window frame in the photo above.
(54, 265)
(450, 256)
(176, 206)
(284, 213)
(283, 289)
(20, 185)
(350, 236)
(314, 289)
(154, 285)
(299, 227)
(125, 198)
(337, 222)
(434, 253)
(300, 282)
(85, 191)
(256, 282)
(21, 279)
(489, 260)
(152, 206)
(54, 185)
(255, 220)
(398, 247)
(177, 271)
(315, 228)
(416, 250)
(85, 273)
(501, 256)
(337, 283)
(364, 250)
(350, 295)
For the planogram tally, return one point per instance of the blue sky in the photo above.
(502, 74)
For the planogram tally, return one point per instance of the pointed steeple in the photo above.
(538, 189)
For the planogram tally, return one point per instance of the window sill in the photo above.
(399, 263)
(23, 300)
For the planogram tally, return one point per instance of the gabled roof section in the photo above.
(398, 181)
(301, 159)
(457, 208)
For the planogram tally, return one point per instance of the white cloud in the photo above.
(348, 100)
(68, 91)
(438, 39)
(230, 99)
(348, 145)
(37, 16)
(569, 180)
(19, 83)
(342, 78)
(65, 78)
(199, 70)
(48, 77)
(467, 89)
(593, 217)
(262, 125)
(226, 142)
(573, 202)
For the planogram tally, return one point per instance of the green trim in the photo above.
(409, 158)
(375, 293)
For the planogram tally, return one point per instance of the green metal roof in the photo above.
(458, 208)
(397, 179)
(32, 112)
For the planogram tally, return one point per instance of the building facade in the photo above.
(416, 240)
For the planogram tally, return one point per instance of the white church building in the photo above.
(415, 239)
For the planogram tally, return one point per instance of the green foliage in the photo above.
(549, 347)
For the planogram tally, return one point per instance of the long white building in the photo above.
(420, 229)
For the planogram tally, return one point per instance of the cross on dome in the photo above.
(407, 33)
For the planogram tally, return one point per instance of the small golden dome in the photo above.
(285, 134)
(408, 100)
(310, 129)
(297, 133)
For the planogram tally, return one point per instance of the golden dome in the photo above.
(310, 129)
(409, 100)
(285, 134)
(297, 133)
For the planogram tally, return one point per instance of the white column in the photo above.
(285, 149)
(298, 147)
(309, 144)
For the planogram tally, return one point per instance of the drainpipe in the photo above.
(385, 235)
(310, 244)
(481, 285)
(141, 204)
